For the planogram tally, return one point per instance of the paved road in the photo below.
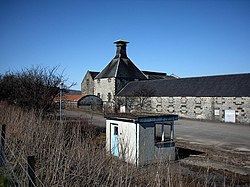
(223, 135)
(228, 136)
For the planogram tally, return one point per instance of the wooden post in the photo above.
(2, 148)
(31, 171)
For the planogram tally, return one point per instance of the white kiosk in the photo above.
(140, 139)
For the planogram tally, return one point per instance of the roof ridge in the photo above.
(124, 87)
(118, 64)
(223, 75)
(205, 76)
(232, 85)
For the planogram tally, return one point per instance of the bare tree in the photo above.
(33, 88)
(138, 100)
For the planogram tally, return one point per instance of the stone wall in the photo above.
(206, 108)
(188, 107)
(210, 108)
(105, 89)
(87, 86)
(241, 105)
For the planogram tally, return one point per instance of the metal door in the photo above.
(114, 140)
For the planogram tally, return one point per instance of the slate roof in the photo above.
(121, 66)
(73, 92)
(154, 73)
(157, 75)
(93, 74)
(235, 85)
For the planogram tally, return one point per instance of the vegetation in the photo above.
(3, 181)
(73, 154)
(33, 88)
(137, 102)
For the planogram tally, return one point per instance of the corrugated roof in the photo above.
(235, 85)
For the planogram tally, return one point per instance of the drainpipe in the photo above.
(136, 149)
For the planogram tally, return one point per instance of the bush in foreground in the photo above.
(74, 155)
(33, 88)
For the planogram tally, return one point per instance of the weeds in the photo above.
(73, 154)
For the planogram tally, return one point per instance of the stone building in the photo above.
(68, 100)
(116, 74)
(87, 86)
(222, 98)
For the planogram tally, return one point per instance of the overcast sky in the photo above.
(187, 38)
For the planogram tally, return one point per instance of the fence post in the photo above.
(2, 146)
(31, 171)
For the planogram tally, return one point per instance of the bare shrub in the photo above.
(66, 155)
(139, 100)
(73, 155)
(33, 88)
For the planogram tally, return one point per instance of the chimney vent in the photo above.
(121, 49)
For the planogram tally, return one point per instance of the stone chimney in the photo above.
(121, 48)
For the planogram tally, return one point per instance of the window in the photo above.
(109, 79)
(98, 80)
(163, 132)
(115, 130)
(109, 97)
(98, 95)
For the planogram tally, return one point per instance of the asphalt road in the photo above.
(232, 137)
(227, 136)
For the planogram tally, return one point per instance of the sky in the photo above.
(188, 38)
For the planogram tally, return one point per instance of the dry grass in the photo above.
(74, 155)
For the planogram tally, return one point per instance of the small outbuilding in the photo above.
(69, 101)
(141, 139)
(90, 102)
